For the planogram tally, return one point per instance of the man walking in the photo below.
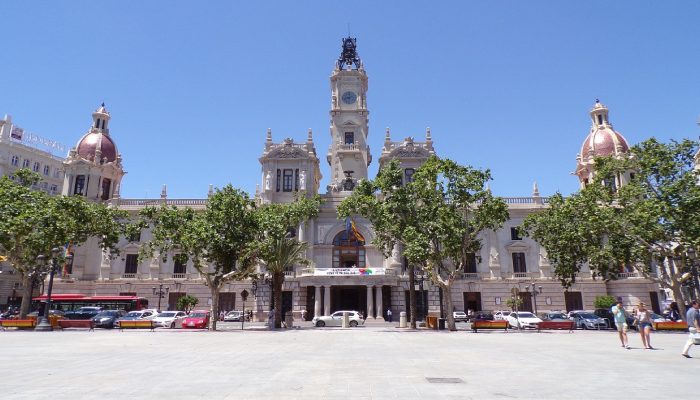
(389, 315)
(620, 322)
(693, 320)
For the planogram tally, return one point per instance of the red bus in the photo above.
(71, 302)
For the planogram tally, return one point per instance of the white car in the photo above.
(500, 315)
(336, 319)
(459, 316)
(233, 316)
(523, 319)
(170, 319)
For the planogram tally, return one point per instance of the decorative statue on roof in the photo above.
(349, 54)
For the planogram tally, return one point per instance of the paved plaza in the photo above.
(372, 362)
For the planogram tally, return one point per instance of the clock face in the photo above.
(349, 97)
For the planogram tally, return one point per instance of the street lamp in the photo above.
(694, 271)
(44, 324)
(534, 291)
(160, 293)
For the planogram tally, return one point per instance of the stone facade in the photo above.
(346, 274)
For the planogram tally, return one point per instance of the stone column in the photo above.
(370, 302)
(380, 306)
(327, 301)
(317, 302)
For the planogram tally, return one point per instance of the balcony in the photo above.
(627, 275)
(523, 275)
(289, 274)
(471, 276)
(128, 276)
(179, 276)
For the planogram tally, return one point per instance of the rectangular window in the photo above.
(132, 263)
(15, 161)
(408, 175)
(279, 179)
(25, 164)
(470, 266)
(36, 166)
(519, 263)
(54, 189)
(287, 180)
(106, 187)
(46, 170)
(515, 233)
(79, 184)
(180, 267)
(296, 180)
(349, 137)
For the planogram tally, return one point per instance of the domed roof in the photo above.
(603, 142)
(88, 145)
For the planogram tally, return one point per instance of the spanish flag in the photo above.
(355, 231)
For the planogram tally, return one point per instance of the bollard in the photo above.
(402, 319)
(346, 319)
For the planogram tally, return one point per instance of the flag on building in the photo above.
(355, 231)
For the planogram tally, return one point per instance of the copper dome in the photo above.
(88, 145)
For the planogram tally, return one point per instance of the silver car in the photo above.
(336, 319)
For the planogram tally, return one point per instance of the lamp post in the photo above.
(44, 324)
(694, 271)
(420, 277)
(244, 295)
(534, 291)
(160, 293)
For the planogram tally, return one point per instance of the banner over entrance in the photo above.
(349, 271)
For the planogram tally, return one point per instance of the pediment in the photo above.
(349, 123)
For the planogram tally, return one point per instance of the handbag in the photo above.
(696, 338)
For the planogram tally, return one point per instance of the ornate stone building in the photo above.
(348, 272)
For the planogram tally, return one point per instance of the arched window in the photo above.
(348, 251)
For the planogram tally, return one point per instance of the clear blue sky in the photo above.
(193, 86)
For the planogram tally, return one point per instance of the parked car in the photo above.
(132, 315)
(107, 318)
(233, 316)
(499, 315)
(459, 316)
(56, 313)
(481, 316)
(587, 320)
(336, 319)
(555, 316)
(523, 320)
(196, 319)
(169, 319)
(87, 312)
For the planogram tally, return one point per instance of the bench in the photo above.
(671, 326)
(137, 324)
(18, 323)
(76, 323)
(479, 324)
(561, 325)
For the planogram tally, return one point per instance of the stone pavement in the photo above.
(372, 362)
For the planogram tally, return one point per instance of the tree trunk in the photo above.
(412, 294)
(678, 295)
(214, 310)
(448, 300)
(27, 290)
(277, 282)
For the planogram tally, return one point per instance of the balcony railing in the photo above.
(128, 276)
(625, 275)
(289, 274)
(179, 276)
(471, 275)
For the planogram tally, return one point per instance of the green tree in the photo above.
(604, 302)
(274, 246)
(186, 303)
(390, 207)
(650, 221)
(437, 218)
(32, 223)
(218, 240)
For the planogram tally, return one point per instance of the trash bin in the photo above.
(402, 319)
(441, 323)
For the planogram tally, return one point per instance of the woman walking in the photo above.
(644, 325)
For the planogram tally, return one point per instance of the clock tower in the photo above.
(348, 154)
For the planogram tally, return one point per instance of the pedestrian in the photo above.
(644, 325)
(693, 320)
(222, 313)
(389, 315)
(620, 322)
(271, 319)
(303, 314)
(674, 313)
